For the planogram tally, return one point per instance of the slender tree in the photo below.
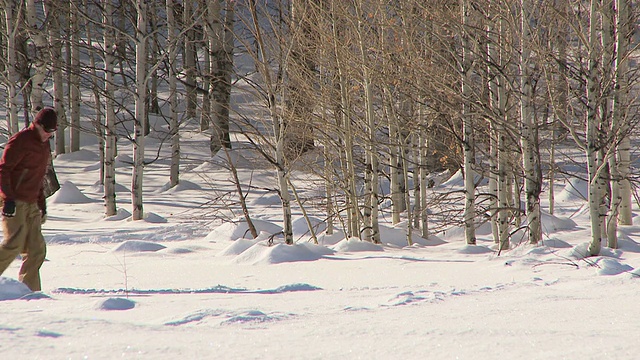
(139, 116)
(110, 115)
(172, 49)
(278, 127)
(468, 126)
(529, 127)
(74, 76)
(40, 58)
(11, 22)
(592, 126)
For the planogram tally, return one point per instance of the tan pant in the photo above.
(23, 235)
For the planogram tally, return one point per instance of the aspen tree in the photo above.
(74, 77)
(213, 31)
(529, 128)
(172, 49)
(502, 135)
(154, 53)
(11, 23)
(109, 115)
(371, 230)
(278, 128)
(139, 115)
(40, 58)
(620, 121)
(560, 88)
(189, 56)
(423, 213)
(609, 178)
(97, 96)
(351, 200)
(220, 40)
(468, 127)
(493, 59)
(592, 125)
(299, 80)
(54, 14)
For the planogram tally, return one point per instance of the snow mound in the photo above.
(138, 246)
(115, 304)
(263, 254)
(80, 155)
(355, 244)
(457, 232)
(69, 194)
(154, 218)
(397, 236)
(183, 185)
(608, 266)
(11, 289)
(121, 214)
(576, 189)
(551, 223)
(581, 251)
(237, 247)
(629, 245)
(330, 239)
(318, 249)
(301, 228)
(239, 229)
(457, 180)
(99, 188)
(62, 239)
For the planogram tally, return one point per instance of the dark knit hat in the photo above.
(47, 118)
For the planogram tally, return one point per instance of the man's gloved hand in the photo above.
(9, 208)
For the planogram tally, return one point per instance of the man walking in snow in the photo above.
(22, 170)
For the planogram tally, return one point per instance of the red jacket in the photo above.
(23, 166)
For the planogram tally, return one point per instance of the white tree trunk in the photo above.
(353, 223)
(493, 55)
(55, 47)
(394, 165)
(620, 121)
(592, 125)
(140, 96)
(405, 180)
(531, 166)
(371, 231)
(110, 116)
(215, 38)
(503, 155)
(468, 141)
(74, 80)
(97, 96)
(424, 212)
(172, 49)
(608, 184)
(561, 109)
(12, 59)
(40, 58)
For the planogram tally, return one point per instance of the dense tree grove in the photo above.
(389, 94)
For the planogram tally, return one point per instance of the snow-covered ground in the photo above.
(183, 284)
